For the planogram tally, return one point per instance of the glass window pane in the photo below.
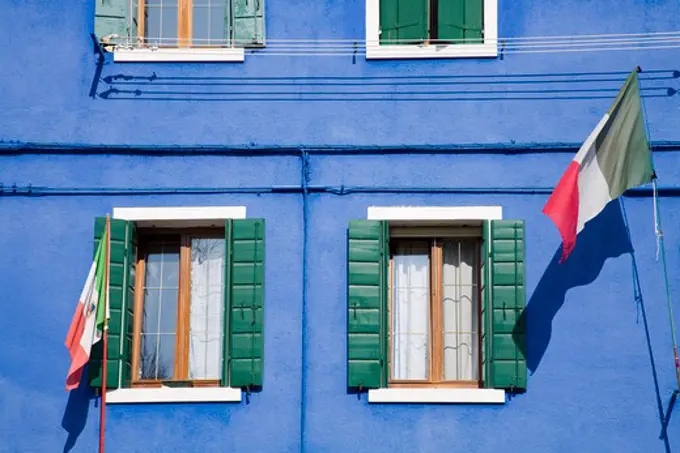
(159, 319)
(161, 22)
(411, 311)
(166, 356)
(147, 356)
(218, 24)
(207, 308)
(210, 22)
(201, 22)
(460, 310)
(150, 311)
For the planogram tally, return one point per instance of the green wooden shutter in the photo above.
(121, 304)
(504, 301)
(367, 324)
(244, 304)
(248, 22)
(461, 21)
(403, 21)
(112, 17)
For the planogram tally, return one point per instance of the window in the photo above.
(431, 28)
(179, 334)
(200, 23)
(179, 30)
(434, 311)
(435, 300)
(187, 305)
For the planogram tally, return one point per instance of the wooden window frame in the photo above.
(436, 362)
(180, 375)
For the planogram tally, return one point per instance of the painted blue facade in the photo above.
(474, 132)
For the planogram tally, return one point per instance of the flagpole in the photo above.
(105, 340)
(662, 248)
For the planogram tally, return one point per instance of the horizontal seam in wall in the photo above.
(9, 148)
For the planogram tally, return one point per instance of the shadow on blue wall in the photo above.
(75, 414)
(604, 237)
(470, 87)
(639, 300)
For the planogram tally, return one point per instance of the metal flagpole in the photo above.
(105, 340)
(662, 248)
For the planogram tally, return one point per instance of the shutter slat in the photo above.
(505, 301)
(244, 303)
(368, 253)
(121, 297)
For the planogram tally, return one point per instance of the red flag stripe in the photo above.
(562, 208)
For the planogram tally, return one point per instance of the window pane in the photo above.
(411, 311)
(210, 24)
(159, 318)
(160, 22)
(147, 356)
(207, 308)
(460, 310)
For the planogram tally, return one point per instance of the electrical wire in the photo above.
(353, 41)
(348, 47)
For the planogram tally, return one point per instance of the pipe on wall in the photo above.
(305, 177)
(46, 191)
(18, 148)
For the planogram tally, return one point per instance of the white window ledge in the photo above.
(392, 52)
(180, 216)
(436, 396)
(434, 212)
(217, 55)
(174, 395)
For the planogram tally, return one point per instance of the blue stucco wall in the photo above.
(593, 387)
(48, 69)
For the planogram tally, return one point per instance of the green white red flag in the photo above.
(87, 326)
(614, 158)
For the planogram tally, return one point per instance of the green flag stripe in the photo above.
(101, 290)
(622, 149)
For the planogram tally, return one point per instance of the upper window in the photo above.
(179, 30)
(199, 23)
(434, 311)
(431, 28)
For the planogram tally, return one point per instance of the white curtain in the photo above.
(460, 310)
(411, 312)
(207, 308)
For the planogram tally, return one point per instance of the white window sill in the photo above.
(174, 395)
(435, 213)
(436, 396)
(179, 216)
(390, 52)
(235, 55)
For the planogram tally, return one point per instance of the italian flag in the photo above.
(87, 325)
(614, 158)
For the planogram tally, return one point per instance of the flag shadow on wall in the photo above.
(75, 414)
(606, 236)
